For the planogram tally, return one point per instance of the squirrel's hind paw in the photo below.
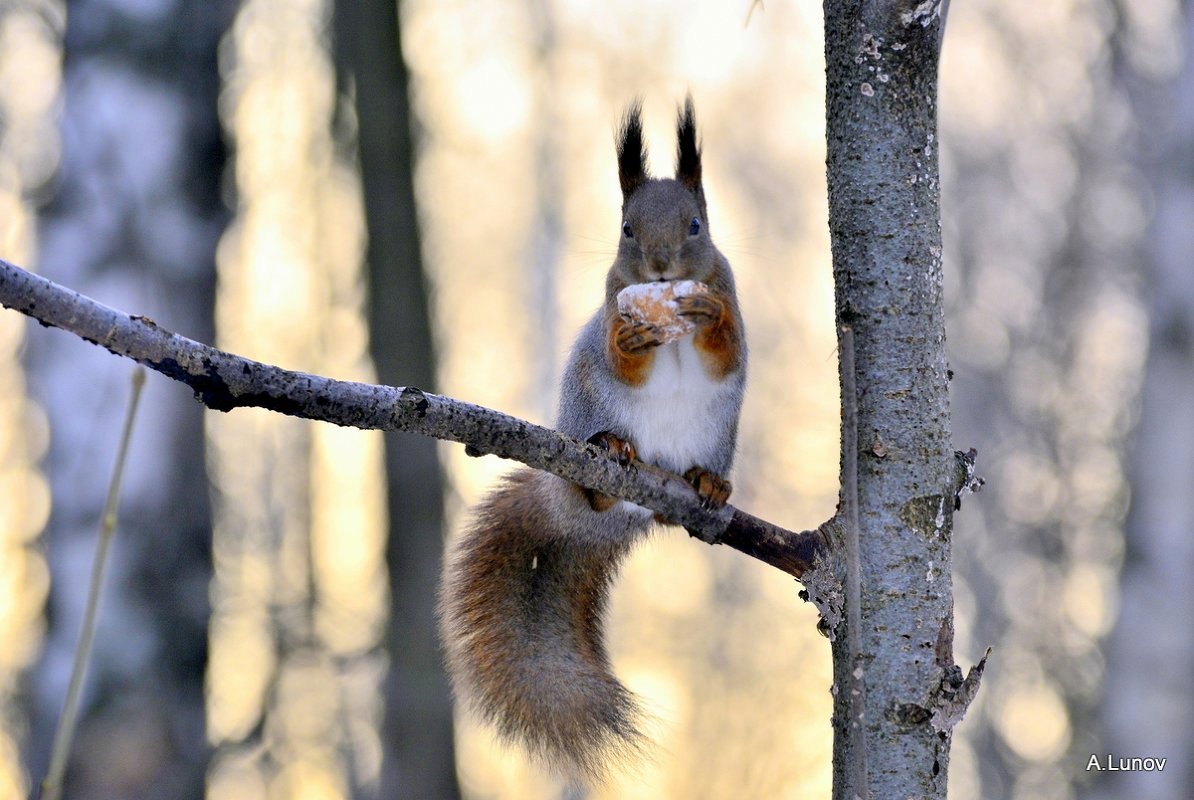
(713, 489)
(620, 450)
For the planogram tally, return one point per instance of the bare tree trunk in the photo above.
(881, 99)
(136, 218)
(417, 730)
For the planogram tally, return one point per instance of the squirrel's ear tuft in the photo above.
(688, 149)
(632, 151)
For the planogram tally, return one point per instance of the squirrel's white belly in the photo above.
(670, 417)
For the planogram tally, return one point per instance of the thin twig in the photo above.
(751, 10)
(51, 787)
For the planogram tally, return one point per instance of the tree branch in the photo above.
(223, 381)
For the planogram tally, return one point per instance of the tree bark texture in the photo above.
(881, 111)
(417, 735)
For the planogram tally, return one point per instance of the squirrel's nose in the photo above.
(659, 262)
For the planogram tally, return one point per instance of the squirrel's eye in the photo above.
(694, 227)
(626, 231)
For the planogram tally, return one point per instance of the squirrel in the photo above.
(525, 587)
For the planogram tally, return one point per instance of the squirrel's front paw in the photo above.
(702, 309)
(634, 337)
(713, 489)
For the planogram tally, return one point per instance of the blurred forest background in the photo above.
(426, 194)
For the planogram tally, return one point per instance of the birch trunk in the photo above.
(881, 99)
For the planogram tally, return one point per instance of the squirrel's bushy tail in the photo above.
(521, 611)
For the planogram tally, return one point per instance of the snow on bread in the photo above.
(655, 303)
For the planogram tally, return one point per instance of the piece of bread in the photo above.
(656, 303)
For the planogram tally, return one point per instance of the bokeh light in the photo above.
(300, 595)
(1045, 209)
(30, 74)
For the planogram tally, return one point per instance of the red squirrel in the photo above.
(524, 589)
